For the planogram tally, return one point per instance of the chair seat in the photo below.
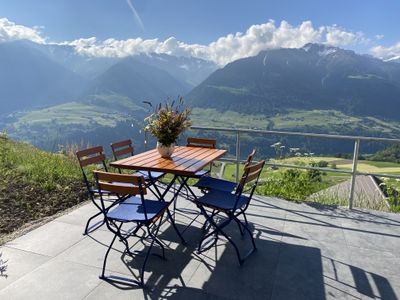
(153, 175)
(215, 184)
(131, 209)
(222, 200)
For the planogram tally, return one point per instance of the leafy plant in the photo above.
(292, 184)
(168, 122)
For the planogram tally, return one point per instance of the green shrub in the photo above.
(292, 184)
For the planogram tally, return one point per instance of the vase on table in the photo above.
(165, 151)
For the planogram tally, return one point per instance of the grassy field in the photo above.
(327, 121)
(346, 164)
(97, 120)
(35, 184)
(101, 110)
(299, 185)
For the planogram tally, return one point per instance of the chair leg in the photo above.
(145, 261)
(218, 229)
(207, 226)
(154, 237)
(87, 229)
(175, 228)
(245, 219)
(108, 251)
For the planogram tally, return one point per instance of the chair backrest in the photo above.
(251, 174)
(248, 162)
(122, 148)
(91, 156)
(205, 143)
(123, 185)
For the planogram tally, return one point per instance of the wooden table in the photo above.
(185, 161)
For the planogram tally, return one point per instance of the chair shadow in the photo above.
(276, 270)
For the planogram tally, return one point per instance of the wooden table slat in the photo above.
(184, 160)
(152, 157)
(196, 166)
(127, 160)
(178, 160)
(200, 161)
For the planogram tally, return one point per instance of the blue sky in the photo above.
(375, 23)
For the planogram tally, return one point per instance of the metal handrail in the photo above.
(357, 140)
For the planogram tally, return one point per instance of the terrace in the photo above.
(304, 252)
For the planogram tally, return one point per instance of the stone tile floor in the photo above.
(304, 252)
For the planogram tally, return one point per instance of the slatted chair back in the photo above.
(251, 174)
(122, 148)
(91, 156)
(198, 142)
(248, 162)
(122, 185)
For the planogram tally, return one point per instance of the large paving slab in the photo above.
(303, 252)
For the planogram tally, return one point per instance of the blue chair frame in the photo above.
(146, 214)
(91, 157)
(232, 206)
(211, 183)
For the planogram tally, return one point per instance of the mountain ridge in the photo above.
(274, 81)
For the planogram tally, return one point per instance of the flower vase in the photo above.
(165, 151)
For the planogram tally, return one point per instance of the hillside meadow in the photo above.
(35, 184)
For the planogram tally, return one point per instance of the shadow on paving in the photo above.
(277, 270)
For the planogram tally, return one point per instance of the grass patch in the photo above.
(303, 185)
(327, 121)
(35, 184)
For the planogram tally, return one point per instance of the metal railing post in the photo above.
(354, 172)
(237, 155)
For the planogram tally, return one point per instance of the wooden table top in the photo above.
(184, 161)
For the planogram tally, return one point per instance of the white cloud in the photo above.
(227, 48)
(9, 31)
(337, 36)
(222, 51)
(387, 52)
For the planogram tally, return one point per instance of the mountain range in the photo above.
(29, 78)
(312, 77)
(51, 95)
(38, 75)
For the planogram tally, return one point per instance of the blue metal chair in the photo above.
(94, 157)
(125, 148)
(232, 206)
(145, 214)
(211, 183)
